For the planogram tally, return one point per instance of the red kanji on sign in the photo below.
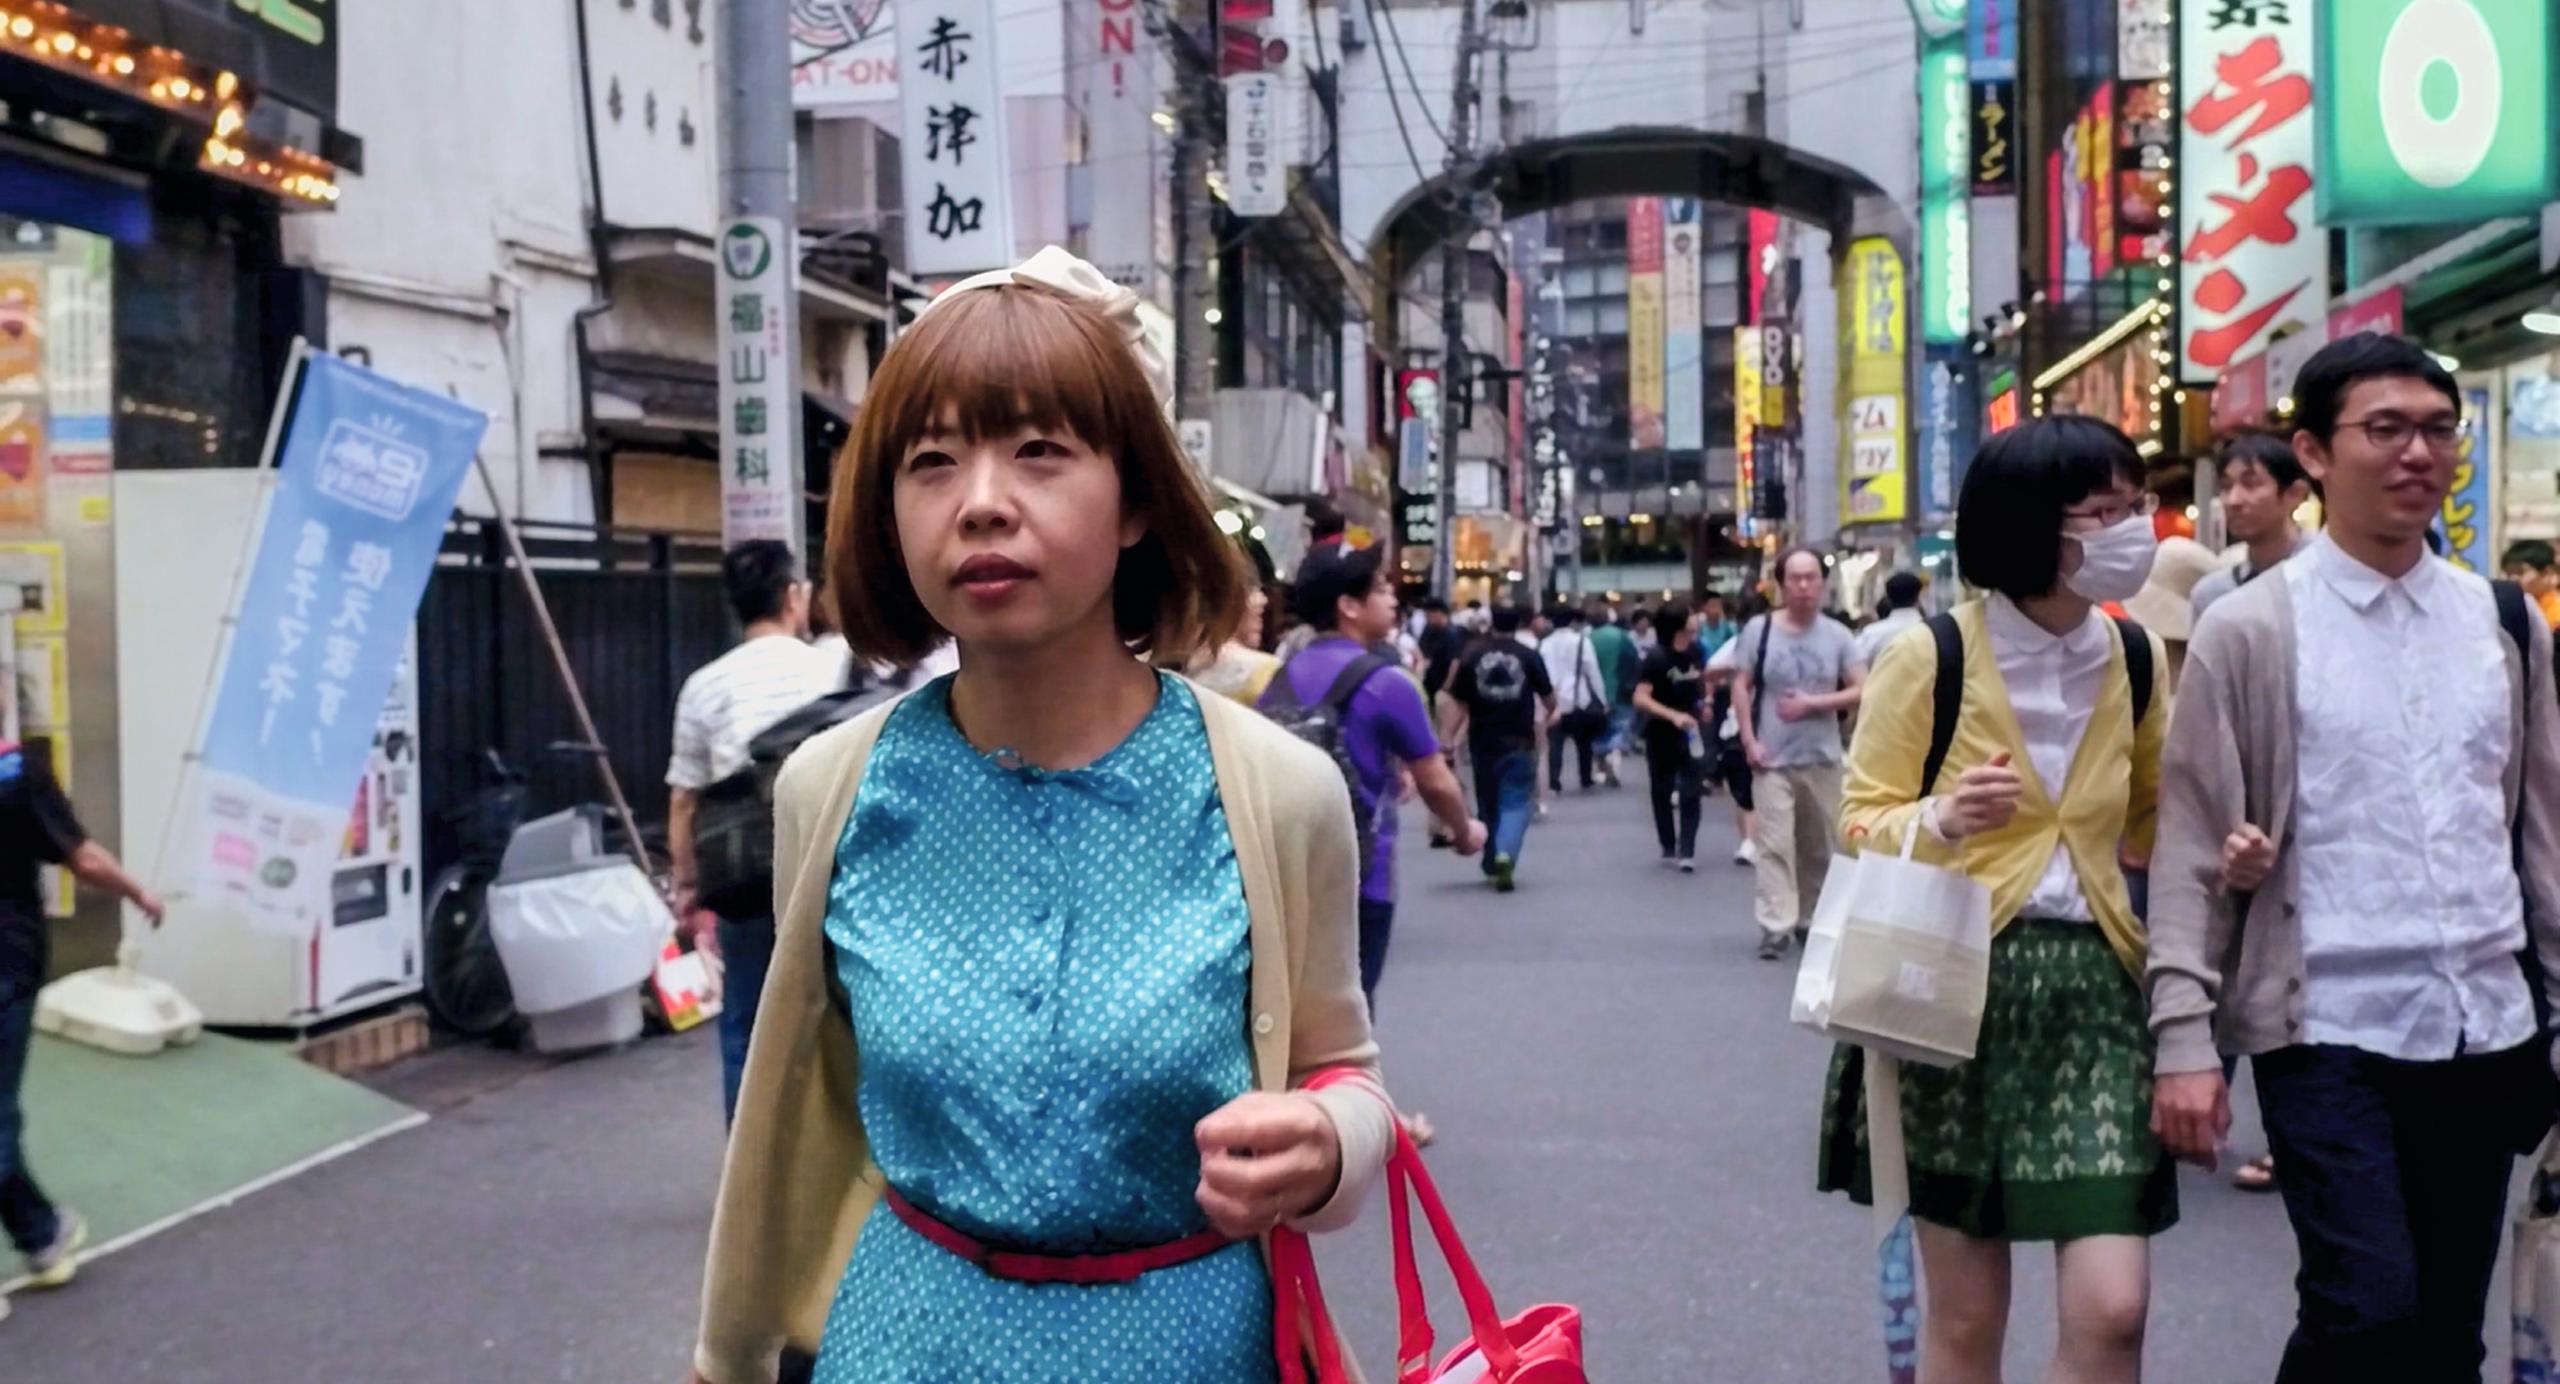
(2242, 84)
(2221, 293)
(2264, 215)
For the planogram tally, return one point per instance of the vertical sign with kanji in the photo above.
(365, 482)
(2253, 258)
(758, 396)
(956, 178)
(1874, 488)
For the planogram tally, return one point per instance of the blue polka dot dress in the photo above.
(1047, 974)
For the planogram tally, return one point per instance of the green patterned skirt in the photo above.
(2046, 1133)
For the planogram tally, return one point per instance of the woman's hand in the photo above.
(2191, 1114)
(1265, 1160)
(1985, 799)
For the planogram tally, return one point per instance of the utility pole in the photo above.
(1462, 200)
(759, 280)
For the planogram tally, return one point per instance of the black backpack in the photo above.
(1948, 699)
(733, 819)
(1321, 725)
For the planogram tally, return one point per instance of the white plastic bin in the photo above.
(577, 945)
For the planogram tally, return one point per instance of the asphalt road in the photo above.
(1627, 1124)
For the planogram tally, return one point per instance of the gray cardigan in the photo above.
(2225, 973)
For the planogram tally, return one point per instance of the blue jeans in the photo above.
(1506, 781)
(31, 1220)
(746, 951)
(1622, 730)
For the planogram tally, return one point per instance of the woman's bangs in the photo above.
(996, 362)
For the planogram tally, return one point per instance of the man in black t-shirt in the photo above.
(1501, 691)
(37, 828)
(1672, 694)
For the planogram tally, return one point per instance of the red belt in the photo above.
(1122, 1267)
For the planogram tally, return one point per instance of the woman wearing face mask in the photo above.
(1062, 936)
(2044, 1136)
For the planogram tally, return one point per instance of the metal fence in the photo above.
(638, 612)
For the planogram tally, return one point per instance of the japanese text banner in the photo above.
(365, 481)
(2253, 259)
(952, 138)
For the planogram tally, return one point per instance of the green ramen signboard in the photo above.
(2435, 110)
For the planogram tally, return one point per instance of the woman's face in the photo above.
(1256, 604)
(1011, 542)
(2102, 508)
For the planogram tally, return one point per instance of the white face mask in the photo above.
(2114, 561)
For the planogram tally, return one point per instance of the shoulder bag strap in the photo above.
(1349, 682)
(1413, 1334)
(1946, 700)
(1760, 667)
(2137, 665)
(1581, 654)
(2520, 630)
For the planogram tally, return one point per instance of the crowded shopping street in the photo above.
(1648, 1067)
(1280, 691)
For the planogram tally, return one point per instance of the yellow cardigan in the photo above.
(2110, 800)
(799, 1180)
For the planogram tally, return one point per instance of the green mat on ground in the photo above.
(137, 1143)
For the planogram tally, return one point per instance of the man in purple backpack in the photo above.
(1380, 730)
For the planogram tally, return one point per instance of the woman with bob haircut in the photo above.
(2045, 1134)
(1060, 937)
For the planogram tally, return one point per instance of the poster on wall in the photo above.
(21, 326)
(2080, 197)
(2465, 521)
(2142, 39)
(2254, 261)
(22, 463)
(2146, 134)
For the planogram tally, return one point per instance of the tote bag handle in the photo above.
(1414, 1335)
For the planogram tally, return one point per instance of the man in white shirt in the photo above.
(1901, 612)
(722, 708)
(2367, 941)
(1581, 694)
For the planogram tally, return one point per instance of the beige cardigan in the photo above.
(799, 1179)
(2226, 969)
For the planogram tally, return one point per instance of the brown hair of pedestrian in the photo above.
(990, 362)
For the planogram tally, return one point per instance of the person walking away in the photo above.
(720, 710)
(1728, 764)
(38, 828)
(2053, 762)
(2529, 563)
(1386, 730)
(2262, 485)
(1443, 641)
(1496, 699)
(1901, 612)
(2358, 883)
(1797, 671)
(1238, 669)
(1582, 689)
(1063, 936)
(1672, 694)
(1620, 666)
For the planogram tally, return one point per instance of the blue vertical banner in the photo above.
(1991, 40)
(366, 474)
(1947, 431)
(2467, 507)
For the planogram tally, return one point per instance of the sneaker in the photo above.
(1670, 861)
(1502, 880)
(56, 1264)
(1441, 843)
(1774, 947)
(1746, 854)
(1688, 866)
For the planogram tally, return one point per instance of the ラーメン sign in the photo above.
(2252, 259)
(2435, 110)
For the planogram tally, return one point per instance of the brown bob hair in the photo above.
(1000, 360)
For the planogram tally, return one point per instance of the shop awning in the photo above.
(674, 405)
(689, 257)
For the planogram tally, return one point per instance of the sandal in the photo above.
(2256, 1175)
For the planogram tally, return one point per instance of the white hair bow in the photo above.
(1061, 272)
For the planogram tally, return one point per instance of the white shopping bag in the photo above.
(2537, 1271)
(1911, 960)
(1818, 976)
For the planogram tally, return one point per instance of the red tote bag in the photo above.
(1540, 1346)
